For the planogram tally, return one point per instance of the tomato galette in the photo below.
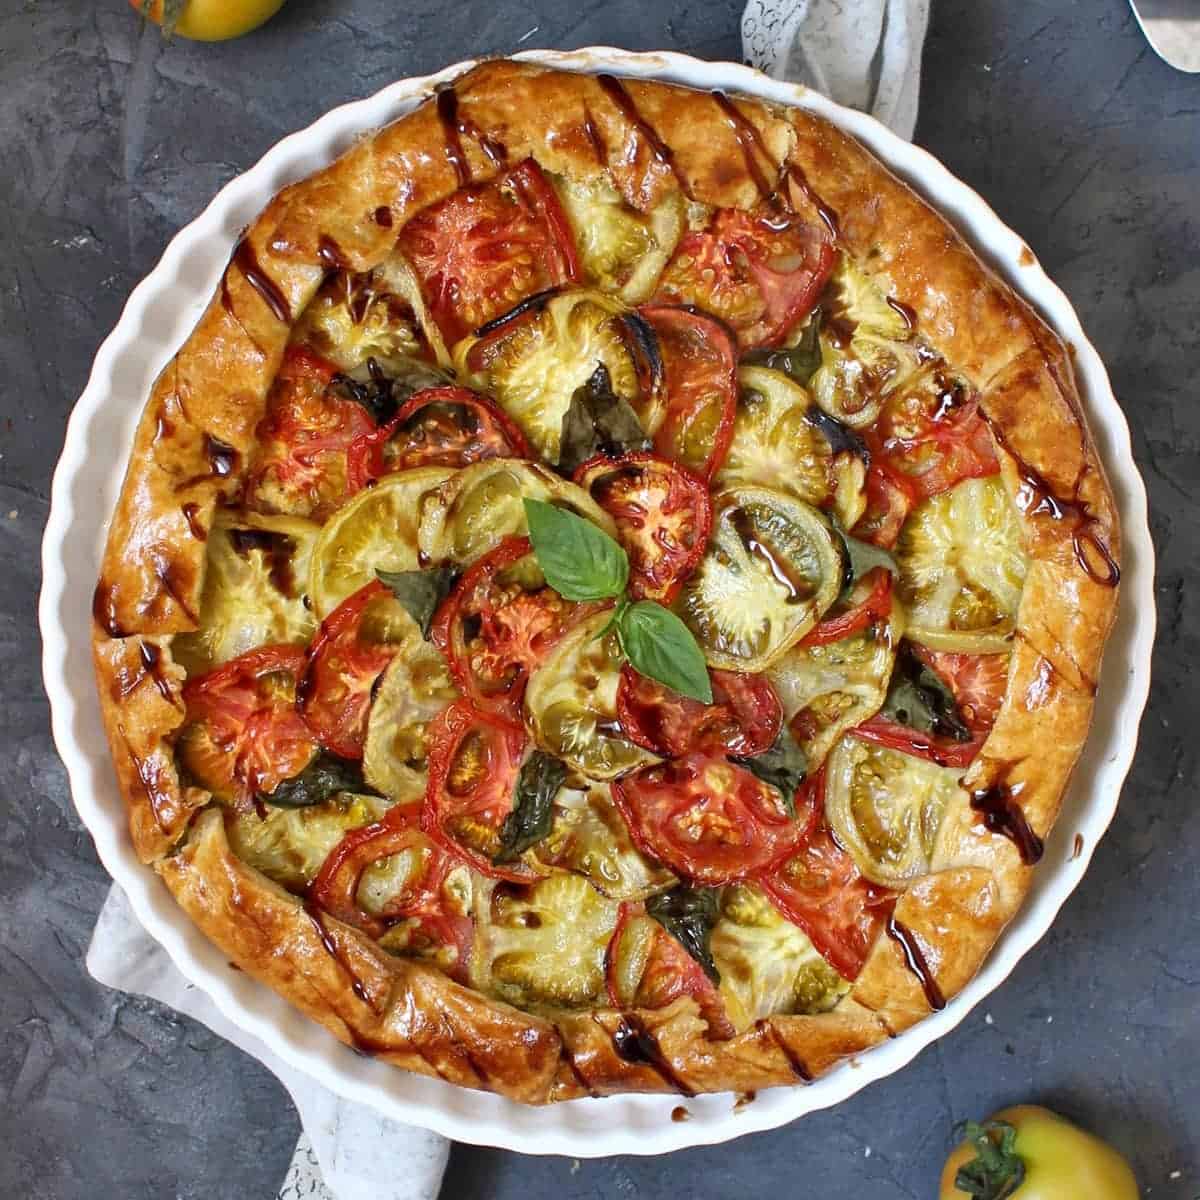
(608, 597)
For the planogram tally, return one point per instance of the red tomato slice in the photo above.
(760, 272)
(494, 631)
(943, 751)
(488, 246)
(744, 718)
(888, 506)
(663, 515)
(473, 767)
(977, 681)
(335, 694)
(670, 972)
(820, 889)
(706, 818)
(443, 427)
(249, 712)
(300, 465)
(871, 602)
(698, 392)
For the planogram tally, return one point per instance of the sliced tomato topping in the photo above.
(663, 515)
(696, 397)
(488, 246)
(248, 710)
(335, 889)
(473, 767)
(821, 889)
(706, 818)
(343, 666)
(670, 973)
(436, 427)
(888, 505)
(943, 751)
(300, 465)
(977, 681)
(743, 720)
(760, 272)
(496, 626)
(870, 602)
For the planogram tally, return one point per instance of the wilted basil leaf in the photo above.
(784, 767)
(382, 385)
(800, 362)
(598, 421)
(919, 699)
(688, 914)
(420, 592)
(325, 776)
(531, 817)
(841, 438)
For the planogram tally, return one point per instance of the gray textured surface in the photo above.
(1083, 141)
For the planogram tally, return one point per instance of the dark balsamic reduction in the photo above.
(447, 111)
(247, 262)
(222, 458)
(1037, 498)
(277, 550)
(150, 777)
(634, 1043)
(680, 1114)
(331, 948)
(766, 1030)
(617, 93)
(905, 312)
(1077, 847)
(579, 1076)
(829, 218)
(749, 142)
(798, 589)
(167, 573)
(1002, 814)
(104, 609)
(905, 939)
(383, 217)
(191, 513)
(330, 254)
(151, 657)
(595, 139)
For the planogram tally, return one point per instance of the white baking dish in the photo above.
(158, 317)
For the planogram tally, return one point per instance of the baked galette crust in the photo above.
(196, 436)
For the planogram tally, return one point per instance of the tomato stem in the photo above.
(997, 1170)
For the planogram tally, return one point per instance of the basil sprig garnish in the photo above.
(581, 562)
(688, 914)
(532, 815)
(420, 592)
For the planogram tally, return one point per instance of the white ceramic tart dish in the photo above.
(159, 317)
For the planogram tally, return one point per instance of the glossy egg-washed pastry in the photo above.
(397, 777)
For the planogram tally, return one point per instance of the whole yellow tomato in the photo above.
(1030, 1153)
(208, 20)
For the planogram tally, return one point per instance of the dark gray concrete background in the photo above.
(1086, 143)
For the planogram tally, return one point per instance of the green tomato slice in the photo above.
(887, 807)
(773, 566)
(962, 568)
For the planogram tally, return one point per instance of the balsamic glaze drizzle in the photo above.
(764, 1028)
(915, 960)
(1001, 814)
(333, 950)
(247, 262)
(618, 94)
(634, 1043)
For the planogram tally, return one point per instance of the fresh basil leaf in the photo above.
(598, 421)
(918, 698)
(325, 776)
(532, 814)
(800, 362)
(660, 646)
(688, 914)
(420, 592)
(579, 560)
(784, 767)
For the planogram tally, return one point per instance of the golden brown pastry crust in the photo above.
(191, 449)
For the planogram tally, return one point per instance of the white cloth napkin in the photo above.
(863, 53)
